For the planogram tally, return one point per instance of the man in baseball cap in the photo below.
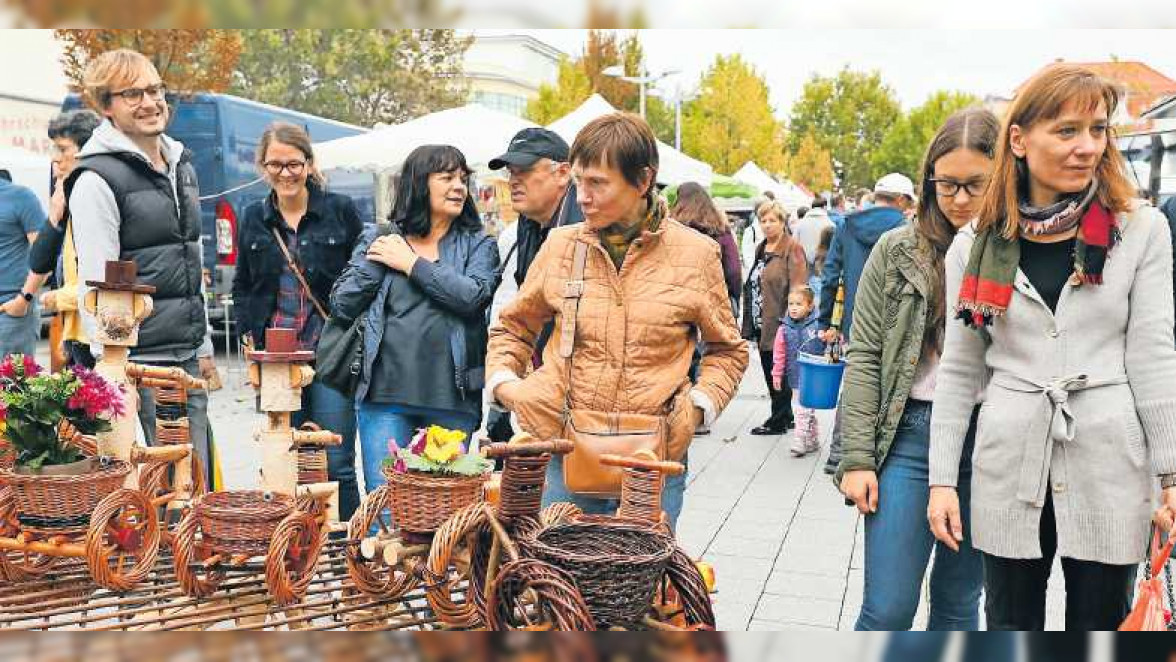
(542, 192)
(852, 242)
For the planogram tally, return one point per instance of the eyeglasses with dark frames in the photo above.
(949, 188)
(134, 95)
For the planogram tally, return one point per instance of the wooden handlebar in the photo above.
(155, 376)
(643, 461)
(169, 453)
(310, 437)
(528, 448)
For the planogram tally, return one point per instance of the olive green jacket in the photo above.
(890, 314)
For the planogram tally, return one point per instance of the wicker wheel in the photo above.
(557, 604)
(196, 579)
(122, 542)
(372, 576)
(682, 599)
(18, 566)
(449, 563)
(294, 555)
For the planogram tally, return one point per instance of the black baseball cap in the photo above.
(530, 145)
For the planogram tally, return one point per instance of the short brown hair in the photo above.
(1043, 98)
(294, 136)
(619, 140)
(117, 68)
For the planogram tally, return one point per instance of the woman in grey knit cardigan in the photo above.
(1065, 296)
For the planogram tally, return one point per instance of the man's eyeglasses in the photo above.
(948, 188)
(134, 95)
(275, 168)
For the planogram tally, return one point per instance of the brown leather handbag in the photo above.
(597, 433)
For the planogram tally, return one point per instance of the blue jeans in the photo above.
(929, 647)
(555, 492)
(331, 410)
(18, 335)
(899, 540)
(381, 423)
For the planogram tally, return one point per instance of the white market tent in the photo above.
(479, 132)
(675, 167)
(789, 194)
(28, 169)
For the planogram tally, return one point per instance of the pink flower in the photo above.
(400, 467)
(96, 397)
(31, 369)
(419, 442)
(393, 447)
(8, 368)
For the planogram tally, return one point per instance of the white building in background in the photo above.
(24, 122)
(505, 71)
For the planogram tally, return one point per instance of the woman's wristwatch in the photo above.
(1167, 481)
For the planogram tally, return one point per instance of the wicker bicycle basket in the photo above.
(241, 522)
(420, 503)
(617, 565)
(61, 504)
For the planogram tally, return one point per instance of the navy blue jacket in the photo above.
(326, 237)
(852, 242)
(463, 291)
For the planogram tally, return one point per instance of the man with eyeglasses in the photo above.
(133, 196)
(542, 192)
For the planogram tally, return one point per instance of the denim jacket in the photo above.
(462, 282)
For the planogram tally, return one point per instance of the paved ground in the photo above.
(787, 552)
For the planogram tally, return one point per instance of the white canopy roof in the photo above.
(786, 192)
(675, 166)
(28, 169)
(479, 132)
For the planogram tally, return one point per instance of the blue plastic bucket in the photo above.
(820, 381)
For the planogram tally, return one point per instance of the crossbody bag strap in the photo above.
(573, 292)
(298, 274)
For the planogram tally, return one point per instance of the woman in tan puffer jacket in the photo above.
(649, 282)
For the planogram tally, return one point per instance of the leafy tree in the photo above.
(571, 89)
(357, 76)
(903, 147)
(848, 115)
(187, 60)
(582, 76)
(731, 122)
(811, 165)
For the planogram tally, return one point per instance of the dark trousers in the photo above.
(1098, 595)
(781, 400)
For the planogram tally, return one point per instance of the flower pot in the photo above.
(421, 502)
(57, 503)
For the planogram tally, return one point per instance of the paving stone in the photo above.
(760, 531)
(745, 547)
(737, 567)
(804, 585)
(802, 611)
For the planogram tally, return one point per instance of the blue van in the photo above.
(223, 131)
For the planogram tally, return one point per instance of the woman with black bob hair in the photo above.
(423, 283)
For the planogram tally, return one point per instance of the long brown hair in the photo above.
(973, 129)
(696, 209)
(1042, 99)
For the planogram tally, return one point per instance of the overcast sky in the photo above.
(914, 63)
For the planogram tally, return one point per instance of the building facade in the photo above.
(505, 71)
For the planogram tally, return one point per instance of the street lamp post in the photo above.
(617, 71)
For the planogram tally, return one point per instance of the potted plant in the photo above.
(34, 405)
(433, 477)
(48, 420)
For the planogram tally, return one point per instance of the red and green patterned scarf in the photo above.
(992, 264)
